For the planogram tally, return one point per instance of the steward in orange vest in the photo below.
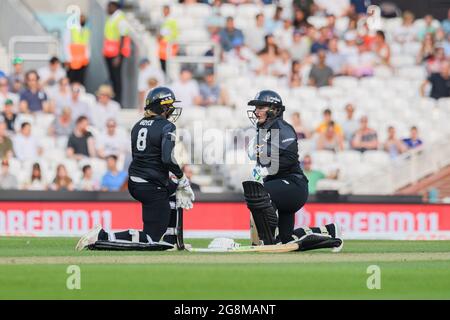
(116, 45)
(78, 51)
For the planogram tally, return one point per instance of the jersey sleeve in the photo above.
(167, 150)
(284, 150)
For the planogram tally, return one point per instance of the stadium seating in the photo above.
(391, 94)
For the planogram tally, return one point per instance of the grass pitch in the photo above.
(36, 268)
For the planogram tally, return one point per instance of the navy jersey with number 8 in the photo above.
(152, 145)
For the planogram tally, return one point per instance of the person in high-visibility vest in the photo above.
(116, 45)
(78, 51)
(168, 35)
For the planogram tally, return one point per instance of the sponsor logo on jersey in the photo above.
(287, 140)
(147, 123)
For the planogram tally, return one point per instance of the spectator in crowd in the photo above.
(282, 66)
(427, 49)
(439, 37)
(285, 34)
(446, 23)
(61, 95)
(147, 71)
(105, 108)
(240, 55)
(276, 21)
(77, 106)
(335, 60)
(6, 145)
(33, 98)
(365, 138)
(381, 48)
(113, 178)
(331, 27)
(51, 74)
(8, 115)
(168, 36)
(361, 63)
(393, 145)
(26, 147)
(301, 46)
(330, 140)
(350, 124)
(327, 119)
(428, 27)
(111, 142)
(215, 22)
(186, 89)
(435, 62)
(321, 43)
(300, 17)
(349, 47)
(5, 94)
(313, 176)
(229, 34)
(407, 31)
(81, 143)
(87, 182)
(267, 56)
(440, 83)
(17, 77)
(7, 180)
(36, 182)
(295, 79)
(358, 7)
(254, 36)
(413, 141)
(446, 46)
(62, 181)
(189, 174)
(301, 131)
(62, 125)
(211, 92)
(321, 75)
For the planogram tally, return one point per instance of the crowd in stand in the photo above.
(284, 46)
(25, 95)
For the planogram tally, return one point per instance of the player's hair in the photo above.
(149, 113)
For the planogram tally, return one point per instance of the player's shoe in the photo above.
(337, 234)
(89, 238)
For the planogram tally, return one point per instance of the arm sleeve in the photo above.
(167, 150)
(287, 150)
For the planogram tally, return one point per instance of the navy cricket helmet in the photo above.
(160, 100)
(267, 98)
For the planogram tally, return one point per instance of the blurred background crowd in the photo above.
(367, 89)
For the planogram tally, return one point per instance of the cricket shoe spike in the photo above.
(89, 238)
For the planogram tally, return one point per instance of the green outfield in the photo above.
(36, 268)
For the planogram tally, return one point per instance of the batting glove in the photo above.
(259, 173)
(184, 194)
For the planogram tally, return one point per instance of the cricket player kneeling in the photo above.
(280, 188)
(153, 141)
